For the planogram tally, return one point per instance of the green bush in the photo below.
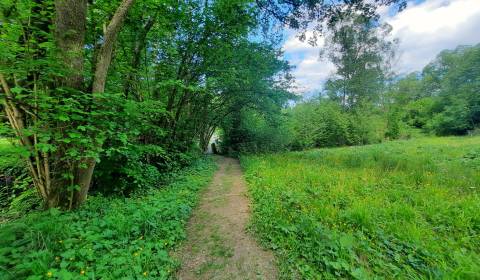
(248, 131)
(107, 238)
(393, 126)
(454, 120)
(418, 113)
(326, 124)
(17, 195)
(139, 167)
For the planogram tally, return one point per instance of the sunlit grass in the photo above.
(9, 154)
(405, 209)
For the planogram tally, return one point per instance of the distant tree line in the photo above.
(444, 98)
(364, 102)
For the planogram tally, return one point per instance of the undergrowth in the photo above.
(16, 194)
(107, 238)
(398, 210)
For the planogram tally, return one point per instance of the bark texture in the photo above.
(70, 29)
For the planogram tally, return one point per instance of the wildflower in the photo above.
(135, 254)
(82, 272)
(145, 273)
(49, 274)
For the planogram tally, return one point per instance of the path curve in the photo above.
(218, 246)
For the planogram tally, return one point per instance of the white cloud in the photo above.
(424, 29)
(427, 28)
(310, 70)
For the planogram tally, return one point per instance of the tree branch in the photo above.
(105, 54)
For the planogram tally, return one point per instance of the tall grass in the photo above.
(405, 209)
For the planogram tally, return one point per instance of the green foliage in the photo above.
(107, 238)
(253, 119)
(393, 126)
(325, 123)
(140, 167)
(251, 132)
(349, 111)
(130, 164)
(360, 49)
(319, 124)
(444, 98)
(17, 195)
(177, 70)
(402, 210)
(419, 112)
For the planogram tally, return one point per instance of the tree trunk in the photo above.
(83, 179)
(70, 23)
(105, 54)
(70, 29)
(70, 32)
(205, 137)
(84, 174)
(139, 45)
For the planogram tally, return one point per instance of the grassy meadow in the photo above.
(398, 210)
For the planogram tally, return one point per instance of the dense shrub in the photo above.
(452, 120)
(418, 113)
(107, 238)
(139, 167)
(249, 131)
(17, 195)
(444, 98)
(393, 125)
(326, 124)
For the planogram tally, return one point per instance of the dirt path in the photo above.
(218, 247)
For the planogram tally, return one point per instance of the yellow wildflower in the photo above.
(82, 272)
(49, 274)
(145, 273)
(135, 254)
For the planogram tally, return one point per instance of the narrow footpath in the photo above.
(218, 246)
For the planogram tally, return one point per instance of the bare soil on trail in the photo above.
(218, 246)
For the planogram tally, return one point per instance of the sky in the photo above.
(424, 28)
